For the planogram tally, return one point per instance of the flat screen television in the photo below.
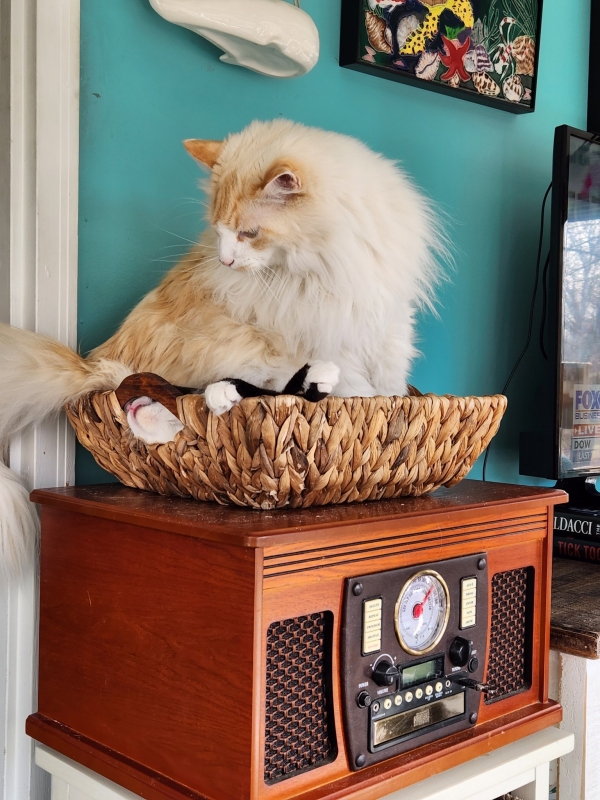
(562, 438)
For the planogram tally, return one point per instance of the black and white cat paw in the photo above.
(151, 421)
(322, 376)
(314, 380)
(221, 396)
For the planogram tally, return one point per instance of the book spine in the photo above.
(576, 549)
(576, 526)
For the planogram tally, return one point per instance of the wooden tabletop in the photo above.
(575, 626)
(249, 528)
(575, 621)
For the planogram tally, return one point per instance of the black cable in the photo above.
(544, 306)
(531, 315)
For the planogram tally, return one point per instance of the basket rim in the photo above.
(430, 395)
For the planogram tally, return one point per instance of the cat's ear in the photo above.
(206, 151)
(281, 184)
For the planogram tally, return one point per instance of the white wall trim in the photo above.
(43, 56)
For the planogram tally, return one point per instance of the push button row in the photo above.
(398, 699)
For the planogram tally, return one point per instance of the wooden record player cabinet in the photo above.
(193, 651)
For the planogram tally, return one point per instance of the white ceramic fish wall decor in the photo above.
(272, 37)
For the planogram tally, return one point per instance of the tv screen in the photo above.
(565, 440)
(579, 312)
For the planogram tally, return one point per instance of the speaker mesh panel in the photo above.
(299, 733)
(509, 637)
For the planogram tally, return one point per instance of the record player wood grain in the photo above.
(189, 650)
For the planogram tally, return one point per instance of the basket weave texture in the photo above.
(275, 452)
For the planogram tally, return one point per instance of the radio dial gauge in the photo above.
(422, 611)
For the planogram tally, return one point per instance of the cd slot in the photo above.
(398, 726)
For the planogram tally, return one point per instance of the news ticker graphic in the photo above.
(585, 434)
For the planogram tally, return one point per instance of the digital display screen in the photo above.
(418, 673)
(385, 730)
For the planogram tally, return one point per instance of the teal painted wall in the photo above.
(147, 84)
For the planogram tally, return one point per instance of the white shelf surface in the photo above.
(521, 767)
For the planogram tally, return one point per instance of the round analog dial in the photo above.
(422, 611)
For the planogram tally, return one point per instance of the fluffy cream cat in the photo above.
(318, 250)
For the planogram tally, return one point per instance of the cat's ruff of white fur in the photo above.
(367, 260)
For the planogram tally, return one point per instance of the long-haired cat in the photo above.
(318, 249)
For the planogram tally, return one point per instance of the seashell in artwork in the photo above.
(523, 50)
(469, 61)
(376, 32)
(513, 89)
(406, 26)
(485, 85)
(477, 60)
(388, 37)
(427, 66)
(454, 81)
(478, 32)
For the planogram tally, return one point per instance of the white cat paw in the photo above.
(151, 421)
(325, 374)
(221, 396)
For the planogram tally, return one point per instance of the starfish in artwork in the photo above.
(454, 59)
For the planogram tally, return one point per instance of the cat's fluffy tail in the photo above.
(38, 375)
(19, 524)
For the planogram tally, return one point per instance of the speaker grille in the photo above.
(299, 731)
(508, 665)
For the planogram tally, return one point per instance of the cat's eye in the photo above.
(252, 234)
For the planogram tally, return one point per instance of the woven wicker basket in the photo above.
(275, 452)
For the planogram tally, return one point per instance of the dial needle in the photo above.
(419, 607)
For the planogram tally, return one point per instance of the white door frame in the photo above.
(39, 81)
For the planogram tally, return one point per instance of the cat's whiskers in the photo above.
(181, 216)
(185, 200)
(255, 279)
(263, 280)
(163, 261)
(183, 248)
(185, 239)
(274, 277)
(195, 200)
(183, 251)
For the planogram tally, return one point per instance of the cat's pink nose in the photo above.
(227, 262)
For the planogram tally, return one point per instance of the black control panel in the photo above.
(413, 652)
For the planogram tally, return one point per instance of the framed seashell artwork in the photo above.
(485, 51)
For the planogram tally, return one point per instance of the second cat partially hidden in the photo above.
(152, 422)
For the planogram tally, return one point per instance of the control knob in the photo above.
(385, 674)
(460, 651)
(363, 700)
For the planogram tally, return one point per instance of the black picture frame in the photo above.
(368, 44)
